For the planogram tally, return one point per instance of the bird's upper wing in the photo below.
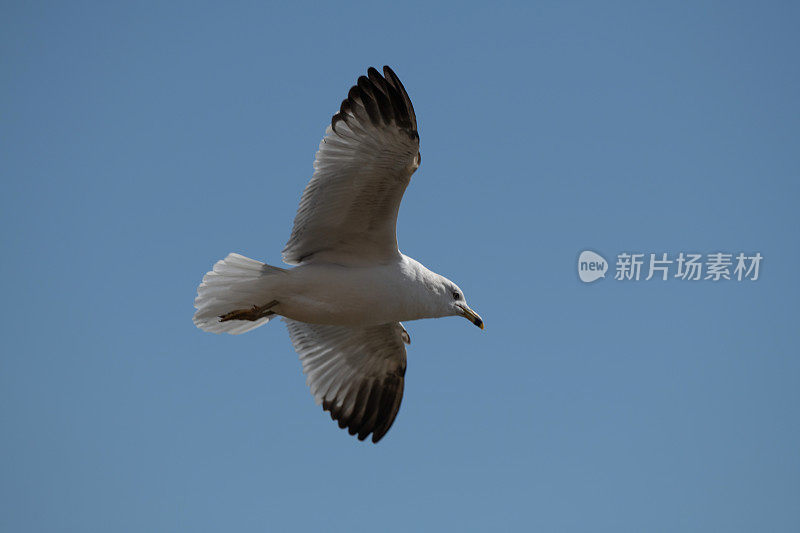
(355, 373)
(348, 212)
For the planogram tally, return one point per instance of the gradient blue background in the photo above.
(142, 142)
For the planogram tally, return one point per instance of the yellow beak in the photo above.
(470, 315)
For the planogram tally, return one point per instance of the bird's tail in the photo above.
(236, 283)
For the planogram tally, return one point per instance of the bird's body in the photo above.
(345, 300)
(324, 293)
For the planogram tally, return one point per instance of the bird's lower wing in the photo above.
(355, 373)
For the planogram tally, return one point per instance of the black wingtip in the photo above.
(374, 411)
(379, 99)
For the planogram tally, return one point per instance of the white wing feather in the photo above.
(357, 374)
(348, 212)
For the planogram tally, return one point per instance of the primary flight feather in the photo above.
(344, 302)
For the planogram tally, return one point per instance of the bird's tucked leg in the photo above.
(252, 314)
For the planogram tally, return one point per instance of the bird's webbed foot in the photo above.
(252, 314)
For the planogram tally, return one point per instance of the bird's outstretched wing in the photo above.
(357, 374)
(348, 212)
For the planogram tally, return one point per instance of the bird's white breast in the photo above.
(355, 296)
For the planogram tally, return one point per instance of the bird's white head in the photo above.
(452, 302)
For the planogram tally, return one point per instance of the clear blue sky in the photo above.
(140, 143)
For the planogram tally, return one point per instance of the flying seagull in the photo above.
(351, 288)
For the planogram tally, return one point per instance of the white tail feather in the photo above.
(237, 282)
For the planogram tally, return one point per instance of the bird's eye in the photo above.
(456, 296)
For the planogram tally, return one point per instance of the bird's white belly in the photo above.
(344, 296)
